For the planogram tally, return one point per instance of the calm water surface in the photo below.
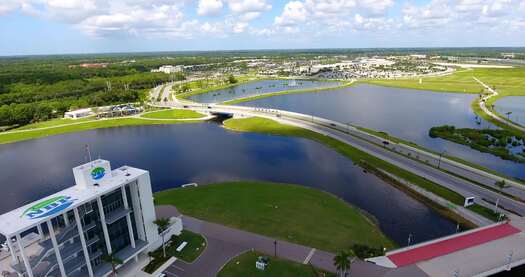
(259, 87)
(205, 153)
(404, 113)
(514, 104)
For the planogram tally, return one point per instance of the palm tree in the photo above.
(163, 224)
(501, 185)
(342, 262)
(111, 258)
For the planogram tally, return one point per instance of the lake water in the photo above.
(404, 113)
(514, 104)
(259, 87)
(206, 153)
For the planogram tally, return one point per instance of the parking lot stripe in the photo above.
(309, 257)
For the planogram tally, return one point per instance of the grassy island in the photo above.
(289, 212)
(501, 143)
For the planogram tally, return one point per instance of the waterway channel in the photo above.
(207, 153)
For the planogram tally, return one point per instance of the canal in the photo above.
(207, 153)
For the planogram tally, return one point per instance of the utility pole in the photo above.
(275, 248)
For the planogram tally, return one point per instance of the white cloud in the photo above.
(246, 6)
(434, 14)
(209, 7)
(240, 27)
(376, 7)
(294, 12)
(8, 6)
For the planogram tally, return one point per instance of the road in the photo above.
(400, 155)
(483, 107)
(459, 169)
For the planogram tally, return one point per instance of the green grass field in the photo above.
(289, 212)
(244, 266)
(9, 137)
(173, 114)
(460, 81)
(53, 123)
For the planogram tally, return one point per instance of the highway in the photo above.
(393, 153)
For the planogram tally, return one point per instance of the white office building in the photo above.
(68, 233)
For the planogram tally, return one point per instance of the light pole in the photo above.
(440, 157)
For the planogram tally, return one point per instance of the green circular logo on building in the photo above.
(98, 173)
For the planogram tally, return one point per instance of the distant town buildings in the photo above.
(90, 65)
(79, 113)
(169, 69)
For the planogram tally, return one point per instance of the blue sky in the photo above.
(90, 26)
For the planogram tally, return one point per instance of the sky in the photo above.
(100, 26)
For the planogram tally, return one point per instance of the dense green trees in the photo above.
(37, 89)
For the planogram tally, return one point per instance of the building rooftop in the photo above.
(37, 212)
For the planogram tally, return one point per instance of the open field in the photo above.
(460, 81)
(289, 212)
(244, 265)
(173, 114)
(508, 81)
(14, 136)
(53, 123)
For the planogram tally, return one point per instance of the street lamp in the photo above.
(440, 157)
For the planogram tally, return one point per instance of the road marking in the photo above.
(170, 273)
(309, 257)
(176, 267)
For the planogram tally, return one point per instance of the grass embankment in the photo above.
(359, 157)
(289, 212)
(293, 91)
(53, 123)
(495, 142)
(204, 86)
(244, 265)
(173, 114)
(14, 136)
(196, 244)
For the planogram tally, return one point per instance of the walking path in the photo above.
(495, 116)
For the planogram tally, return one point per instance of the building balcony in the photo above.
(125, 255)
(117, 214)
